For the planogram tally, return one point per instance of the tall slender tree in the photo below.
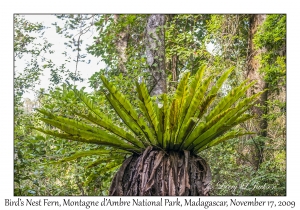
(121, 45)
(155, 53)
(253, 74)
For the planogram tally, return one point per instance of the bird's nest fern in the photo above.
(194, 118)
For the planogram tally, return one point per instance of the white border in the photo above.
(154, 6)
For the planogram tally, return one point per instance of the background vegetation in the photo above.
(249, 165)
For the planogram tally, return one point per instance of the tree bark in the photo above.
(158, 173)
(155, 52)
(174, 67)
(254, 74)
(121, 45)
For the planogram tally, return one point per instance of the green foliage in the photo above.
(271, 39)
(26, 47)
(109, 29)
(74, 30)
(34, 153)
(233, 171)
(228, 37)
(184, 38)
(272, 33)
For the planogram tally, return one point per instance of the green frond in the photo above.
(105, 160)
(73, 133)
(220, 81)
(111, 127)
(150, 110)
(45, 112)
(96, 116)
(98, 152)
(111, 166)
(224, 124)
(229, 135)
(189, 128)
(165, 120)
(126, 111)
(193, 87)
(120, 98)
(180, 99)
(214, 130)
(243, 106)
(173, 118)
(219, 124)
(195, 136)
(233, 96)
(197, 100)
(138, 126)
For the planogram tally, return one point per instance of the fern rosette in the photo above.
(193, 119)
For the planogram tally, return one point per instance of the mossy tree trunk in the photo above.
(155, 52)
(121, 45)
(253, 73)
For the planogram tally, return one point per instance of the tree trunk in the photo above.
(174, 67)
(254, 74)
(158, 173)
(155, 52)
(121, 45)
